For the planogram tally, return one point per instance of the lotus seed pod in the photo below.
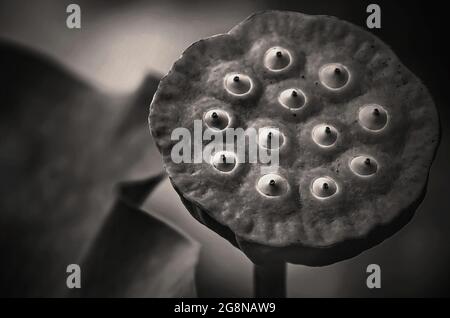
(357, 135)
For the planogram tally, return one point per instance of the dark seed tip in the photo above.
(376, 112)
(279, 54)
(294, 94)
(337, 71)
(236, 79)
(272, 182)
(367, 161)
(327, 130)
(325, 186)
(214, 115)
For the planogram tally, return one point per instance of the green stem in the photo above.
(269, 280)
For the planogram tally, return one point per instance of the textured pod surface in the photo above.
(339, 69)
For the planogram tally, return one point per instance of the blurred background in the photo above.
(121, 50)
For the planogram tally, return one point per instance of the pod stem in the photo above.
(269, 280)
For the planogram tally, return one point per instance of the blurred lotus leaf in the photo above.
(64, 146)
(127, 244)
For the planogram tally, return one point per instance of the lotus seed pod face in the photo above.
(354, 132)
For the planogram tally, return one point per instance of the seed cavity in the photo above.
(238, 84)
(277, 59)
(224, 161)
(272, 185)
(324, 135)
(216, 119)
(292, 98)
(373, 117)
(324, 188)
(363, 166)
(270, 138)
(334, 76)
